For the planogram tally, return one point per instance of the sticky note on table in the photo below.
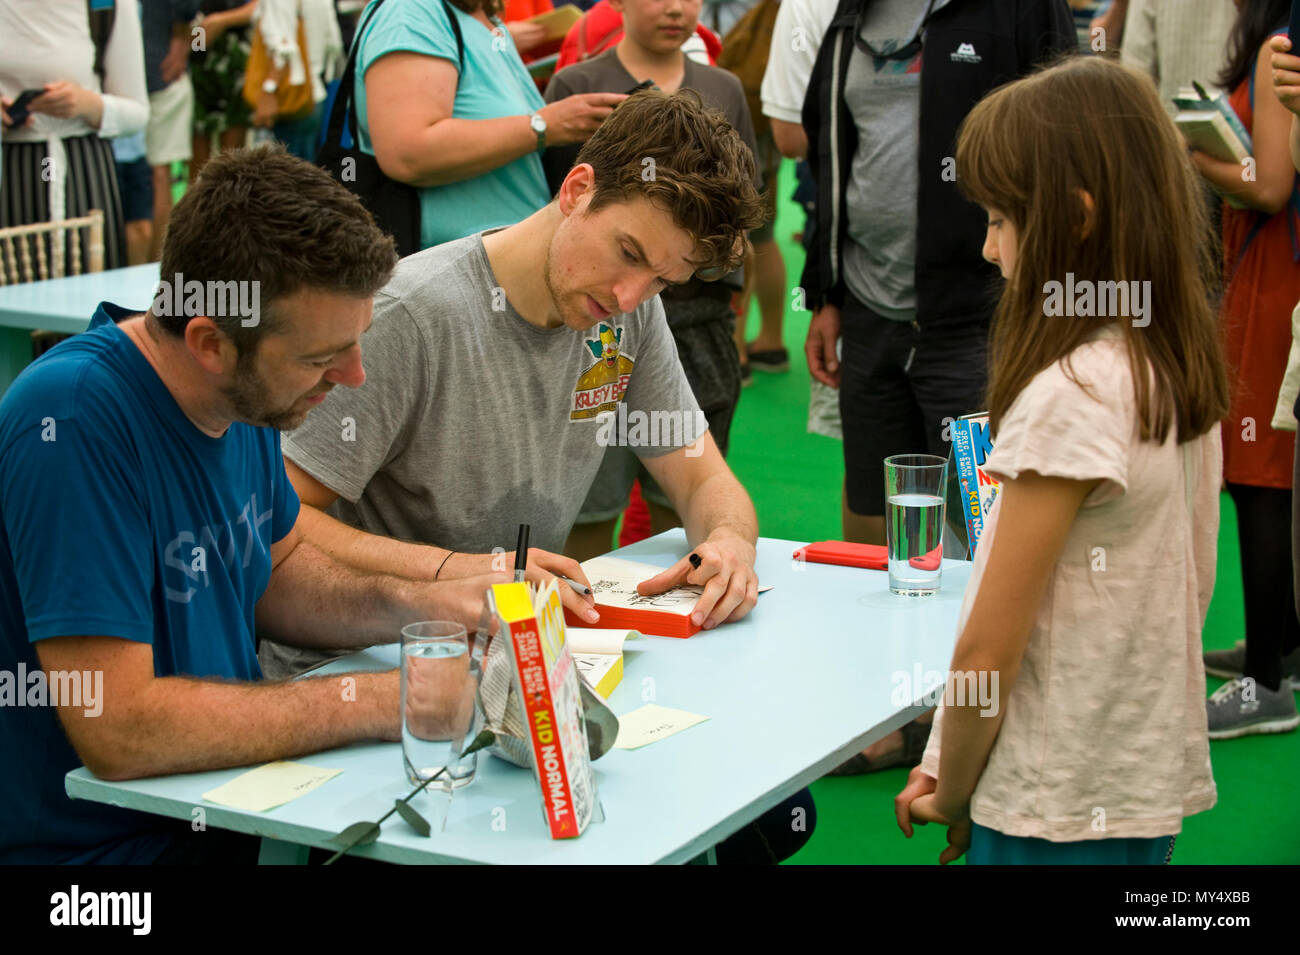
(651, 723)
(269, 786)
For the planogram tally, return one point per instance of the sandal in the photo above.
(769, 359)
(915, 737)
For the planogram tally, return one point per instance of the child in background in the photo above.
(1089, 591)
(699, 313)
(1262, 284)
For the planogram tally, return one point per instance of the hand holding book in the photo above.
(724, 567)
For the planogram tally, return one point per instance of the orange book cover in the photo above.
(613, 584)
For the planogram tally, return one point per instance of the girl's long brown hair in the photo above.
(1029, 150)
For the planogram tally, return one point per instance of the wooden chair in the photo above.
(31, 253)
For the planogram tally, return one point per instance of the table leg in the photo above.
(15, 354)
(275, 852)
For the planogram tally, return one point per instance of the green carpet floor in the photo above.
(794, 478)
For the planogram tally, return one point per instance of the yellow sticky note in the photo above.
(269, 786)
(651, 723)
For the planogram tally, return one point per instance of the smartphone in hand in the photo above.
(1293, 31)
(19, 112)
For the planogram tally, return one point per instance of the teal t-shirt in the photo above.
(493, 83)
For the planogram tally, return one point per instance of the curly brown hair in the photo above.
(1030, 150)
(689, 161)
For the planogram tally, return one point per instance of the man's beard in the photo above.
(548, 275)
(248, 397)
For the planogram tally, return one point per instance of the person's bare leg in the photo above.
(162, 208)
(740, 305)
(861, 528)
(590, 540)
(234, 138)
(202, 151)
(769, 287)
(139, 237)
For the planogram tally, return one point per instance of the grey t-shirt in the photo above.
(472, 420)
(884, 98)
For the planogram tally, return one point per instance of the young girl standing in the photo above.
(1091, 583)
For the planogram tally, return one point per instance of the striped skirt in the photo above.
(90, 182)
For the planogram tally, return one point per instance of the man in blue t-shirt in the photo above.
(148, 530)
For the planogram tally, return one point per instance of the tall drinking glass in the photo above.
(914, 515)
(440, 710)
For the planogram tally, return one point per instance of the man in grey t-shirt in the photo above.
(502, 365)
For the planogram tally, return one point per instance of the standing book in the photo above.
(971, 444)
(546, 679)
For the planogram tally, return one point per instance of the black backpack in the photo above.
(394, 205)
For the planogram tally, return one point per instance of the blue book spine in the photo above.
(968, 482)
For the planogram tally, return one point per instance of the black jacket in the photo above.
(1004, 39)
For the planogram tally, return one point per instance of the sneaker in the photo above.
(746, 375)
(1229, 714)
(1226, 664)
(770, 359)
(1230, 663)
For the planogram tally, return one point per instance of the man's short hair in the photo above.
(687, 160)
(261, 215)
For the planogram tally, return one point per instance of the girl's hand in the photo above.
(926, 809)
(65, 100)
(1286, 73)
(4, 114)
(918, 784)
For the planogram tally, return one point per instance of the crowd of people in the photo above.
(592, 237)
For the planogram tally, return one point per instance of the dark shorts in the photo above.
(135, 182)
(901, 383)
(703, 330)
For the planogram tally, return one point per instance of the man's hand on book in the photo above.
(544, 566)
(726, 572)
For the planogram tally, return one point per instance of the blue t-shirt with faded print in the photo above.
(494, 83)
(119, 518)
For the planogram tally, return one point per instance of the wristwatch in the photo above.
(539, 127)
(269, 85)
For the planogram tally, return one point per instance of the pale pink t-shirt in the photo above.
(1104, 734)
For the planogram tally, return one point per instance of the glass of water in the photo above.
(441, 714)
(914, 515)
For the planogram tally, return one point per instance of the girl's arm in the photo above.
(1037, 513)
(1274, 173)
